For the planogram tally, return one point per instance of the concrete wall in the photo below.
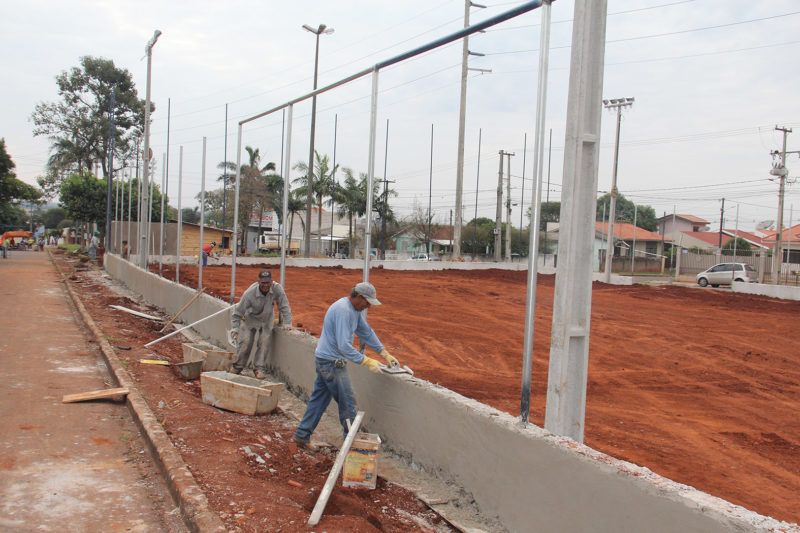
(530, 479)
(784, 292)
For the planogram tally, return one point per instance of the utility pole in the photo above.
(780, 171)
(498, 218)
(456, 250)
(721, 221)
(508, 206)
(618, 104)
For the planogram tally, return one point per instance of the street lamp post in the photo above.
(322, 28)
(143, 244)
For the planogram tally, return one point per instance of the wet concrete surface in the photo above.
(65, 467)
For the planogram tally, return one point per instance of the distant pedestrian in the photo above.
(253, 320)
(334, 349)
(93, 244)
(124, 249)
(5, 248)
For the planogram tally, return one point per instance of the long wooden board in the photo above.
(94, 395)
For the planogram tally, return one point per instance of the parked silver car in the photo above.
(725, 274)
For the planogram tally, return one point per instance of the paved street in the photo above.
(65, 467)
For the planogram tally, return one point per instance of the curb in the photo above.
(192, 502)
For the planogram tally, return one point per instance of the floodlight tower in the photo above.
(618, 104)
(319, 30)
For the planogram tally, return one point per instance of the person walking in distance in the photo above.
(253, 320)
(335, 347)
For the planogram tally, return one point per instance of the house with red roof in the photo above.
(790, 243)
(628, 239)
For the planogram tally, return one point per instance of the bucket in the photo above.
(361, 464)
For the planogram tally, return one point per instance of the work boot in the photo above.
(260, 374)
(235, 370)
(304, 445)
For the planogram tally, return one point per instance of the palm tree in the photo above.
(253, 191)
(296, 204)
(321, 186)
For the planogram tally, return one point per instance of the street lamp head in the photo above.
(320, 30)
(152, 41)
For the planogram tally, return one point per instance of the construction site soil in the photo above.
(701, 386)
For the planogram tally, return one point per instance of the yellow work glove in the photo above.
(389, 358)
(371, 364)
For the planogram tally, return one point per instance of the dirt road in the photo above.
(701, 386)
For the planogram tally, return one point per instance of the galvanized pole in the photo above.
(117, 220)
(430, 192)
(547, 200)
(165, 189)
(536, 203)
(202, 217)
(179, 244)
(225, 179)
(333, 179)
(385, 183)
(633, 248)
(522, 194)
(287, 165)
(475, 219)
(161, 230)
(236, 213)
(373, 127)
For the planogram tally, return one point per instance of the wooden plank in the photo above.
(322, 501)
(94, 395)
(171, 320)
(137, 313)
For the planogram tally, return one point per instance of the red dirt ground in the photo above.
(276, 495)
(701, 386)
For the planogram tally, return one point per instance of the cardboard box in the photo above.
(361, 464)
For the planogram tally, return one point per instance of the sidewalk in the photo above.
(76, 467)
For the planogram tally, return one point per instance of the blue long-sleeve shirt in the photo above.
(341, 322)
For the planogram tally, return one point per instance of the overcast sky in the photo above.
(711, 80)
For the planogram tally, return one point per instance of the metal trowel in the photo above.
(395, 369)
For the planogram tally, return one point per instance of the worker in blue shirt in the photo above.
(334, 349)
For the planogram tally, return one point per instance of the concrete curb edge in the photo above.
(195, 509)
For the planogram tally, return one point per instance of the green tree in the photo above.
(740, 244)
(190, 215)
(321, 180)
(296, 204)
(13, 191)
(53, 216)
(625, 210)
(78, 124)
(255, 195)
